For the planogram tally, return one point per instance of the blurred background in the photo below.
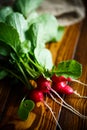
(68, 12)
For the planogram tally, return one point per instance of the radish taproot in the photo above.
(36, 95)
(66, 105)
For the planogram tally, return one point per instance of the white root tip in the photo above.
(53, 115)
(66, 105)
(84, 97)
(79, 82)
(73, 110)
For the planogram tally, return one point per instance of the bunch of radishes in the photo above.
(54, 85)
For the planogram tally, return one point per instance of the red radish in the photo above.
(69, 79)
(57, 79)
(63, 88)
(60, 85)
(68, 90)
(36, 95)
(43, 84)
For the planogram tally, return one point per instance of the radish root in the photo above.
(72, 110)
(52, 115)
(68, 106)
(79, 82)
(75, 92)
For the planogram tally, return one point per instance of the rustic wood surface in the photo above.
(72, 46)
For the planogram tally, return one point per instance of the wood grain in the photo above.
(65, 49)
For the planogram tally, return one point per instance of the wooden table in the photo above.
(72, 46)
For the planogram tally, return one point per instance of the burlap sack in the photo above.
(67, 11)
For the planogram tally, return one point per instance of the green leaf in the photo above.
(19, 23)
(26, 47)
(32, 34)
(4, 12)
(44, 57)
(32, 16)
(26, 6)
(24, 109)
(43, 29)
(70, 68)
(10, 36)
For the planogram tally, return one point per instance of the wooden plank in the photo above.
(40, 118)
(68, 120)
(65, 49)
